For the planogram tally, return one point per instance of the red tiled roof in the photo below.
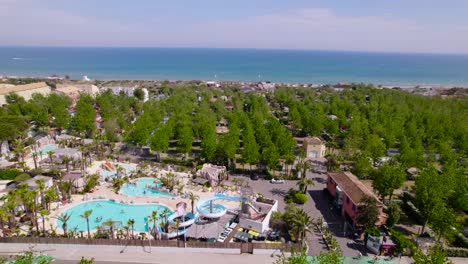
(351, 185)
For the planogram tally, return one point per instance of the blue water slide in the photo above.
(189, 219)
(206, 208)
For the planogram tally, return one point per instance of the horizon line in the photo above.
(237, 48)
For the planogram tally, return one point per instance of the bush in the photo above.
(456, 252)
(394, 213)
(9, 174)
(300, 198)
(22, 177)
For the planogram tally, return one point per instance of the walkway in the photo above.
(113, 254)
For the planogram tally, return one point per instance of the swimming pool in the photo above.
(139, 188)
(127, 169)
(47, 148)
(106, 209)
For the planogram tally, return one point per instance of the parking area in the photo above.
(317, 206)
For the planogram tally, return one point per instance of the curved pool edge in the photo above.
(59, 226)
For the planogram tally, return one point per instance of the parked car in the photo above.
(276, 181)
(254, 177)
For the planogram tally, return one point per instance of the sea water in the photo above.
(289, 66)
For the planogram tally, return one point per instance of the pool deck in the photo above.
(106, 192)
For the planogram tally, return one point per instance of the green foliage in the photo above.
(300, 198)
(28, 257)
(22, 177)
(393, 212)
(86, 261)
(430, 192)
(85, 115)
(435, 255)
(402, 243)
(12, 127)
(388, 178)
(367, 212)
(9, 174)
(456, 252)
(295, 196)
(138, 93)
(295, 258)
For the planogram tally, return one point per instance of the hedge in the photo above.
(9, 174)
(456, 252)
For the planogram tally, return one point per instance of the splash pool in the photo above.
(47, 148)
(106, 209)
(127, 169)
(142, 187)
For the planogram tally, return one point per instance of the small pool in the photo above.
(140, 188)
(106, 209)
(47, 148)
(215, 208)
(127, 169)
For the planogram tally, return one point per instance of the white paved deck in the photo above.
(139, 254)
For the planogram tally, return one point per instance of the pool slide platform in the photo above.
(206, 208)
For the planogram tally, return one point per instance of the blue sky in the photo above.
(434, 26)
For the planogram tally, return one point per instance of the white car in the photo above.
(277, 180)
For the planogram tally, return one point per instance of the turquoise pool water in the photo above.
(216, 208)
(139, 188)
(47, 148)
(127, 169)
(106, 209)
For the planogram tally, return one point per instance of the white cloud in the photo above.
(26, 23)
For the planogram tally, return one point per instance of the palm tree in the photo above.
(303, 183)
(164, 215)
(34, 156)
(192, 198)
(86, 216)
(131, 222)
(3, 216)
(126, 229)
(301, 224)
(154, 217)
(41, 186)
(51, 155)
(49, 196)
(44, 213)
(64, 217)
(66, 160)
(110, 223)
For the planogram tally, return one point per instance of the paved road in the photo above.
(112, 254)
(317, 206)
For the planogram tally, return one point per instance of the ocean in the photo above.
(288, 66)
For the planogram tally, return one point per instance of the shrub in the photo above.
(22, 177)
(9, 174)
(300, 198)
(393, 212)
(456, 252)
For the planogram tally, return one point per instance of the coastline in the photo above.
(389, 85)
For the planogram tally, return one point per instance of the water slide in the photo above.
(207, 208)
(187, 219)
(108, 166)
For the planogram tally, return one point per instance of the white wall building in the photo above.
(26, 91)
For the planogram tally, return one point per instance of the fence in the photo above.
(243, 247)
